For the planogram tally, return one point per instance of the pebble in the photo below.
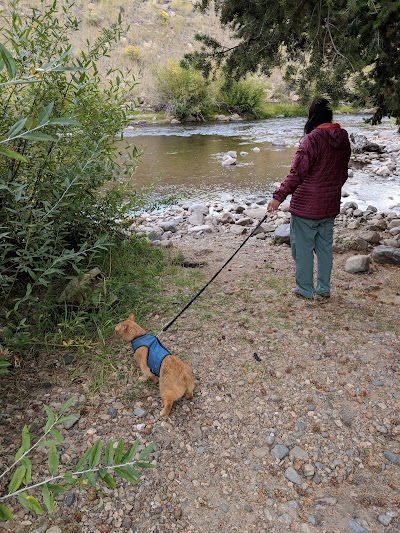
(261, 452)
(326, 501)
(111, 411)
(270, 440)
(384, 519)
(70, 498)
(293, 476)
(356, 527)
(69, 423)
(298, 453)
(280, 451)
(139, 412)
(311, 518)
(392, 457)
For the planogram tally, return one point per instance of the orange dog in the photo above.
(175, 376)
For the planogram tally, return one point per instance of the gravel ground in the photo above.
(294, 426)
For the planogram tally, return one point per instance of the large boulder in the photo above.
(357, 263)
(386, 254)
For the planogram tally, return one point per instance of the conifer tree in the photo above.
(340, 48)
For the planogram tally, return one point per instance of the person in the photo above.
(318, 171)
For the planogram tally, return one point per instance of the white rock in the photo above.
(197, 229)
(229, 161)
(256, 149)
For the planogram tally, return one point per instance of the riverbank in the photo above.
(294, 425)
(270, 110)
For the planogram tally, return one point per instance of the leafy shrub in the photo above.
(131, 52)
(246, 97)
(57, 150)
(95, 466)
(272, 110)
(163, 16)
(182, 91)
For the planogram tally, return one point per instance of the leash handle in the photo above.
(165, 328)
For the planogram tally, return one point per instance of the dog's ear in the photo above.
(131, 317)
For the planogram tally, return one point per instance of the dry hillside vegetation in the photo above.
(157, 32)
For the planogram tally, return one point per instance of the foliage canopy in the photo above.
(339, 48)
(59, 122)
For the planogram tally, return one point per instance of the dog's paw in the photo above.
(143, 378)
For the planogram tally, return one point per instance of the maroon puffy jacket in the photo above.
(317, 173)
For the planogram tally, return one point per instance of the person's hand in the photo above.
(273, 205)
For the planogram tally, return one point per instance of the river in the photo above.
(185, 161)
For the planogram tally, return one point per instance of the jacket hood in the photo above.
(333, 134)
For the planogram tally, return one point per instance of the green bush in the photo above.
(57, 151)
(246, 97)
(98, 466)
(183, 91)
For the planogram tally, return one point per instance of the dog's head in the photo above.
(128, 329)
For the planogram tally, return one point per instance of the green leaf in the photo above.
(18, 82)
(147, 450)
(109, 453)
(68, 69)
(83, 460)
(119, 452)
(69, 418)
(26, 438)
(30, 503)
(48, 498)
(8, 61)
(16, 128)
(45, 114)
(67, 405)
(19, 453)
(51, 418)
(12, 155)
(5, 513)
(130, 454)
(17, 479)
(91, 478)
(95, 454)
(45, 443)
(53, 460)
(69, 478)
(38, 136)
(141, 464)
(64, 121)
(57, 435)
(127, 473)
(109, 480)
(55, 489)
(26, 462)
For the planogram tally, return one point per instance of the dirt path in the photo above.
(294, 426)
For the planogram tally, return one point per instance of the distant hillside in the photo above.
(157, 32)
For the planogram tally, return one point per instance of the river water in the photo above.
(185, 161)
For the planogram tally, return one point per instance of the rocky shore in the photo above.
(294, 425)
(378, 158)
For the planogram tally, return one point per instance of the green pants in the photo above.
(306, 237)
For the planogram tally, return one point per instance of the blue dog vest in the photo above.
(157, 352)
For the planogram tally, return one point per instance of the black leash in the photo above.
(165, 328)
